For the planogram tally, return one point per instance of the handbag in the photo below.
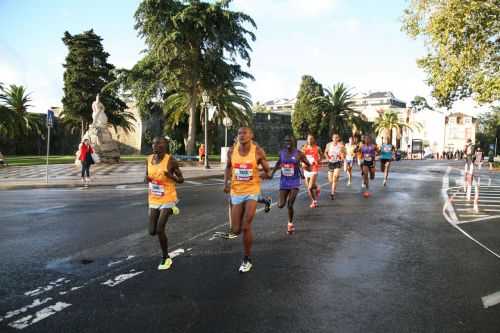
(78, 163)
(96, 158)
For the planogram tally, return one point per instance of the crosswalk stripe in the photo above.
(193, 182)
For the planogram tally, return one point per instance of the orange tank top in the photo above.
(245, 179)
(161, 188)
(312, 155)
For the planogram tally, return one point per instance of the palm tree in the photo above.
(16, 101)
(387, 122)
(337, 109)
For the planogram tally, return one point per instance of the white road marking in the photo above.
(112, 263)
(39, 315)
(193, 182)
(36, 302)
(176, 253)
(121, 278)
(40, 290)
(491, 300)
(121, 187)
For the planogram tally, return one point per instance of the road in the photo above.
(414, 257)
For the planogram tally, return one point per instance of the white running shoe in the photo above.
(363, 185)
(246, 266)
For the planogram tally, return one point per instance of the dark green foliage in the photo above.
(306, 118)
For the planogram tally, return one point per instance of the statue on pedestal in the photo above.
(100, 136)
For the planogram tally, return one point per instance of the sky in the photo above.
(357, 42)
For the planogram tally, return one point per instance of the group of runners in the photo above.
(246, 166)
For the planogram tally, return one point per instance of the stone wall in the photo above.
(270, 129)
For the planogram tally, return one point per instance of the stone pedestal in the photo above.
(103, 143)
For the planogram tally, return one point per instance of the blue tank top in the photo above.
(290, 173)
(386, 153)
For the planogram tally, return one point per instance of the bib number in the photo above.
(243, 172)
(311, 159)
(156, 189)
(368, 158)
(288, 170)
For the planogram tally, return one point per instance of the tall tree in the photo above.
(489, 128)
(387, 122)
(306, 117)
(87, 72)
(462, 37)
(336, 106)
(196, 46)
(18, 121)
(419, 103)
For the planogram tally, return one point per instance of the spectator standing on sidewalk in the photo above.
(2, 160)
(85, 157)
(201, 153)
(491, 158)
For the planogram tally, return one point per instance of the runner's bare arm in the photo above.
(304, 160)
(326, 151)
(261, 159)
(276, 167)
(228, 170)
(146, 178)
(174, 172)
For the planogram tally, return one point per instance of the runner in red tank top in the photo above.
(313, 155)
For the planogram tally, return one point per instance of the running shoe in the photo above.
(175, 210)
(385, 182)
(231, 235)
(291, 228)
(476, 208)
(363, 185)
(165, 263)
(332, 196)
(246, 266)
(267, 204)
(349, 183)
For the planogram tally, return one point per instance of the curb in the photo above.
(50, 186)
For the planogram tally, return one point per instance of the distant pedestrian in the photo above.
(201, 154)
(491, 158)
(2, 160)
(85, 157)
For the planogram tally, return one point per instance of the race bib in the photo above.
(243, 172)
(387, 149)
(368, 158)
(156, 189)
(288, 170)
(311, 159)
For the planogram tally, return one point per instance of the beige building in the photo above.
(371, 105)
(281, 105)
(458, 128)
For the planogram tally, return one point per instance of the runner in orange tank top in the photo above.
(313, 155)
(162, 174)
(242, 181)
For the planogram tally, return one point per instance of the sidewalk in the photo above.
(68, 175)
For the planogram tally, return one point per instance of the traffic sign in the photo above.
(50, 118)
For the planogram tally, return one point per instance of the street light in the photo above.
(227, 122)
(205, 101)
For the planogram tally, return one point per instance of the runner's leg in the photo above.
(349, 174)
(153, 220)
(249, 208)
(291, 201)
(365, 171)
(336, 175)
(236, 218)
(160, 230)
(282, 198)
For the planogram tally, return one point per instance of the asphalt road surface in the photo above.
(414, 257)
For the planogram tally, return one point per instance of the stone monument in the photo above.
(100, 136)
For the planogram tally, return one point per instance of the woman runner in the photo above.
(368, 152)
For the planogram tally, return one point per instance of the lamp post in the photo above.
(205, 101)
(227, 122)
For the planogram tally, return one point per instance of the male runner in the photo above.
(368, 152)
(472, 177)
(469, 155)
(313, 155)
(162, 174)
(289, 162)
(242, 170)
(334, 153)
(350, 154)
(386, 156)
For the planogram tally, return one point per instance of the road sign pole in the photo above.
(48, 151)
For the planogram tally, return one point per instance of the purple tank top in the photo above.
(368, 153)
(290, 174)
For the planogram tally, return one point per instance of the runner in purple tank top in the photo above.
(289, 162)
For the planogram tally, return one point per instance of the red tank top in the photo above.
(312, 155)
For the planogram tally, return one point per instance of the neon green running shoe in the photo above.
(165, 264)
(175, 210)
